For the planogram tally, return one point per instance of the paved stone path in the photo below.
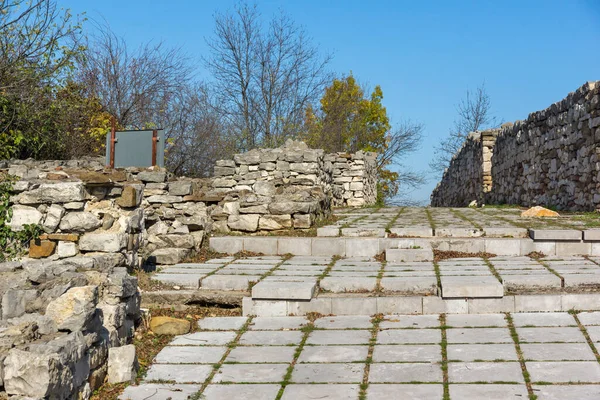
(486, 356)
(517, 274)
(444, 222)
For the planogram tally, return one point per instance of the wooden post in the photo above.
(154, 140)
(113, 139)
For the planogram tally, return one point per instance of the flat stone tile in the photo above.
(482, 352)
(543, 319)
(190, 355)
(564, 371)
(557, 352)
(410, 284)
(471, 287)
(547, 335)
(277, 323)
(328, 373)
(479, 335)
(251, 373)
(338, 391)
(204, 339)
(409, 336)
(222, 323)
(339, 284)
(407, 353)
(228, 282)
(185, 280)
(488, 392)
(159, 391)
(408, 391)
(410, 321)
(345, 322)
(561, 392)
(271, 338)
(180, 373)
(475, 320)
(589, 318)
(339, 337)
(333, 354)
(485, 372)
(407, 372)
(261, 354)
(284, 290)
(594, 333)
(235, 392)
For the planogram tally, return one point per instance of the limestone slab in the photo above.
(410, 321)
(339, 284)
(471, 287)
(407, 353)
(261, 354)
(482, 352)
(564, 371)
(405, 372)
(320, 391)
(409, 336)
(271, 338)
(328, 373)
(327, 337)
(555, 234)
(204, 339)
(221, 323)
(467, 372)
(479, 335)
(229, 282)
(557, 352)
(412, 232)
(180, 373)
(489, 391)
(333, 354)
(409, 391)
(560, 392)
(277, 323)
(190, 355)
(473, 321)
(425, 285)
(345, 322)
(550, 335)
(251, 373)
(159, 391)
(284, 290)
(235, 392)
(543, 319)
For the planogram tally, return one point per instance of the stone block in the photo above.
(62, 192)
(538, 303)
(279, 290)
(408, 255)
(400, 305)
(485, 372)
(504, 232)
(180, 188)
(295, 246)
(486, 306)
(229, 282)
(24, 215)
(363, 247)
(350, 284)
(245, 222)
(412, 232)
(41, 248)
(573, 248)
(503, 247)
(529, 246)
(426, 285)
(264, 308)
(328, 247)
(321, 305)
(555, 234)
(226, 244)
(458, 232)
(523, 282)
(462, 245)
(122, 364)
(587, 302)
(471, 287)
(168, 256)
(437, 305)
(262, 245)
(159, 390)
(328, 231)
(353, 305)
(105, 242)
(591, 235)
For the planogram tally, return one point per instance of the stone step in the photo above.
(408, 255)
(284, 290)
(555, 234)
(473, 286)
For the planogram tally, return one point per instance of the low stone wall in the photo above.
(354, 178)
(60, 321)
(550, 159)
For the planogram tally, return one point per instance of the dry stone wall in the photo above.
(550, 159)
(354, 178)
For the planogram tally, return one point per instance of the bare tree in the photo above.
(265, 75)
(474, 114)
(136, 87)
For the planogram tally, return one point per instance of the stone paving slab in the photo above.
(481, 363)
(471, 286)
(278, 290)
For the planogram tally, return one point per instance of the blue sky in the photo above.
(424, 54)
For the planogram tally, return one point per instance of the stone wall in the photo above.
(354, 178)
(550, 159)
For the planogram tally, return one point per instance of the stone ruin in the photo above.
(69, 310)
(550, 159)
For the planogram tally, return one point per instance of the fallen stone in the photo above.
(169, 326)
(122, 364)
(539, 211)
(168, 256)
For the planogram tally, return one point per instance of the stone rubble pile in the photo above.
(550, 159)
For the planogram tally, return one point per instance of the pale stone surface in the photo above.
(543, 319)
(180, 373)
(251, 373)
(557, 352)
(327, 373)
(74, 309)
(320, 391)
(344, 322)
(489, 391)
(407, 353)
(560, 392)
(410, 321)
(479, 320)
(564, 371)
(471, 287)
(479, 335)
(333, 354)
(484, 372)
(122, 364)
(204, 339)
(406, 372)
(234, 392)
(190, 355)
(284, 290)
(262, 354)
(327, 337)
(479, 352)
(271, 338)
(277, 323)
(159, 390)
(405, 336)
(548, 335)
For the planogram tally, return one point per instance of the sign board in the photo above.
(137, 148)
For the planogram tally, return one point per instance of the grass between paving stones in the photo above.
(543, 264)
(306, 330)
(463, 217)
(230, 346)
(284, 257)
(148, 344)
(376, 320)
(326, 271)
(509, 221)
(585, 333)
(444, 346)
(515, 338)
(393, 220)
(438, 274)
(378, 288)
(431, 221)
(492, 269)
